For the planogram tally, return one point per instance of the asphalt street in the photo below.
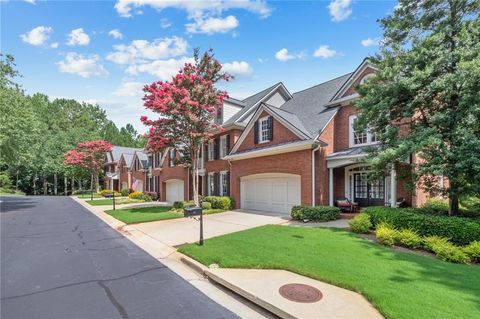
(60, 261)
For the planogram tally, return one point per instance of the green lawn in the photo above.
(144, 214)
(400, 285)
(109, 201)
(87, 196)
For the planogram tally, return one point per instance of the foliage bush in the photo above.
(385, 234)
(139, 196)
(460, 231)
(109, 192)
(469, 207)
(206, 205)
(188, 204)
(220, 202)
(81, 192)
(126, 191)
(5, 181)
(429, 242)
(473, 251)
(408, 238)
(316, 213)
(445, 250)
(152, 195)
(360, 224)
(178, 205)
(435, 206)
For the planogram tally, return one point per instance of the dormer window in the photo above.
(359, 137)
(264, 129)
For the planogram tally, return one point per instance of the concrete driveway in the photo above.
(179, 231)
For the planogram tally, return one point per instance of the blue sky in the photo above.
(104, 51)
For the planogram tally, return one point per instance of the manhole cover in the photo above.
(300, 293)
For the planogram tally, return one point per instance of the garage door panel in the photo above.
(174, 191)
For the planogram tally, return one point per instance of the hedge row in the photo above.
(460, 231)
(220, 202)
(317, 213)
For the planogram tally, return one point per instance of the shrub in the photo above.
(220, 202)
(188, 204)
(470, 206)
(139, 196)
(206, 205)
(5, 181)
(408, 238)
(435, 206)
(178, 205)
(473, 251)
(385, 234)
(430, 242)
(125, 191)
(317, 213)
(152, 195)
(461, 231)
(360, 224)
(109, 192)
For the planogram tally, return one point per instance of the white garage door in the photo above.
(275, 193)
(174, 190)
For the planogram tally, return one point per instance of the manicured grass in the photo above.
(144, 214)
(400, 285)
(109, 201)
(87, 196)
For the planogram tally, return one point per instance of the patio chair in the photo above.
(345, 205)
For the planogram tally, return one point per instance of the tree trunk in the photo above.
(453, 204)
(55, 184)
(16, 182)
(73, 185)
(34, 184)
(45, 186)
(91, 183)
(97, 184)
(195, 178)
(80, 183)
(65, 183)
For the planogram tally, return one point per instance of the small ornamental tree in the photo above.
(186, 106)
(90, 156)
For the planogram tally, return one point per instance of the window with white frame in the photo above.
(263, 130)
(365, 78)
(211, 150)
(359, 137)
(211, 184)
(223, 146)
(171, 157)
(224, 183)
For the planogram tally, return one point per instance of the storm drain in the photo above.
(300, 293)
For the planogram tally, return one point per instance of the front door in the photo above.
(368, 193)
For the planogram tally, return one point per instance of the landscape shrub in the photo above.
(153, 195)
(385, 234)
(469, 207)
(316, 213)
(435, 206)
(5, 181)
(206, 205)
(445, 250)
(360, 224)
(139, 196)
(220, 202)
(178, 205)
(188, 204)
(408, 238)
(460, 231)
(125, 191)
(109, 192)
(81, 192)
(473, 251)
(430, 242)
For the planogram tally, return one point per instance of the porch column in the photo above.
(330, 186)
(393, 187)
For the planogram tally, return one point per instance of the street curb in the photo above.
(203, 270)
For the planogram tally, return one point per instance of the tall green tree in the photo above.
(424, 99)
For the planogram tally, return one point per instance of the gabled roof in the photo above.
(289, 117)
(353, 77)
(310, 105)
(117, 151)
(142, 157)
(254, 100)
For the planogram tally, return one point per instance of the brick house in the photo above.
(278, 149)
(116, 163)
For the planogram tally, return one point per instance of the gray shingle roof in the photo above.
(352, 151)
(128, 159)
(290, 118)
(117, 151)
(250, 101)
(309, 105)
(143, 157)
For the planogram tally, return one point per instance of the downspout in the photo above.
(313, 174)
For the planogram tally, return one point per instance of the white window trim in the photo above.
(222, 191)
(209, 182)
(171, 157)
(223, 146)
(260, 121)
(351, 137)
(211, 150)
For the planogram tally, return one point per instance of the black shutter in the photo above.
(270, 128)
(216, 146)
(216, 184)
(227, 140)
(228, 183)
(255, 133)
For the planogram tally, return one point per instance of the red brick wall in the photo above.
(341, 130)
(141, 176)
(176, 172)
(221, 165)
(298, 163)
(280, 135)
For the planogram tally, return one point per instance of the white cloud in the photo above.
(129, 89)
(370, 42)
(206, 15)
(325, 52)
(139, 51)
(115, 33)
(239, 69)
(165, 23)
(340, 9)
(30, 1)
(78, 37)
(37, 36)
(283, 55)
(163, 69)
(54, 45)
(213, 25)
(75, 63)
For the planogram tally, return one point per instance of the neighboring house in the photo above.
(138, 171)
(277, 150)
(113, 169)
